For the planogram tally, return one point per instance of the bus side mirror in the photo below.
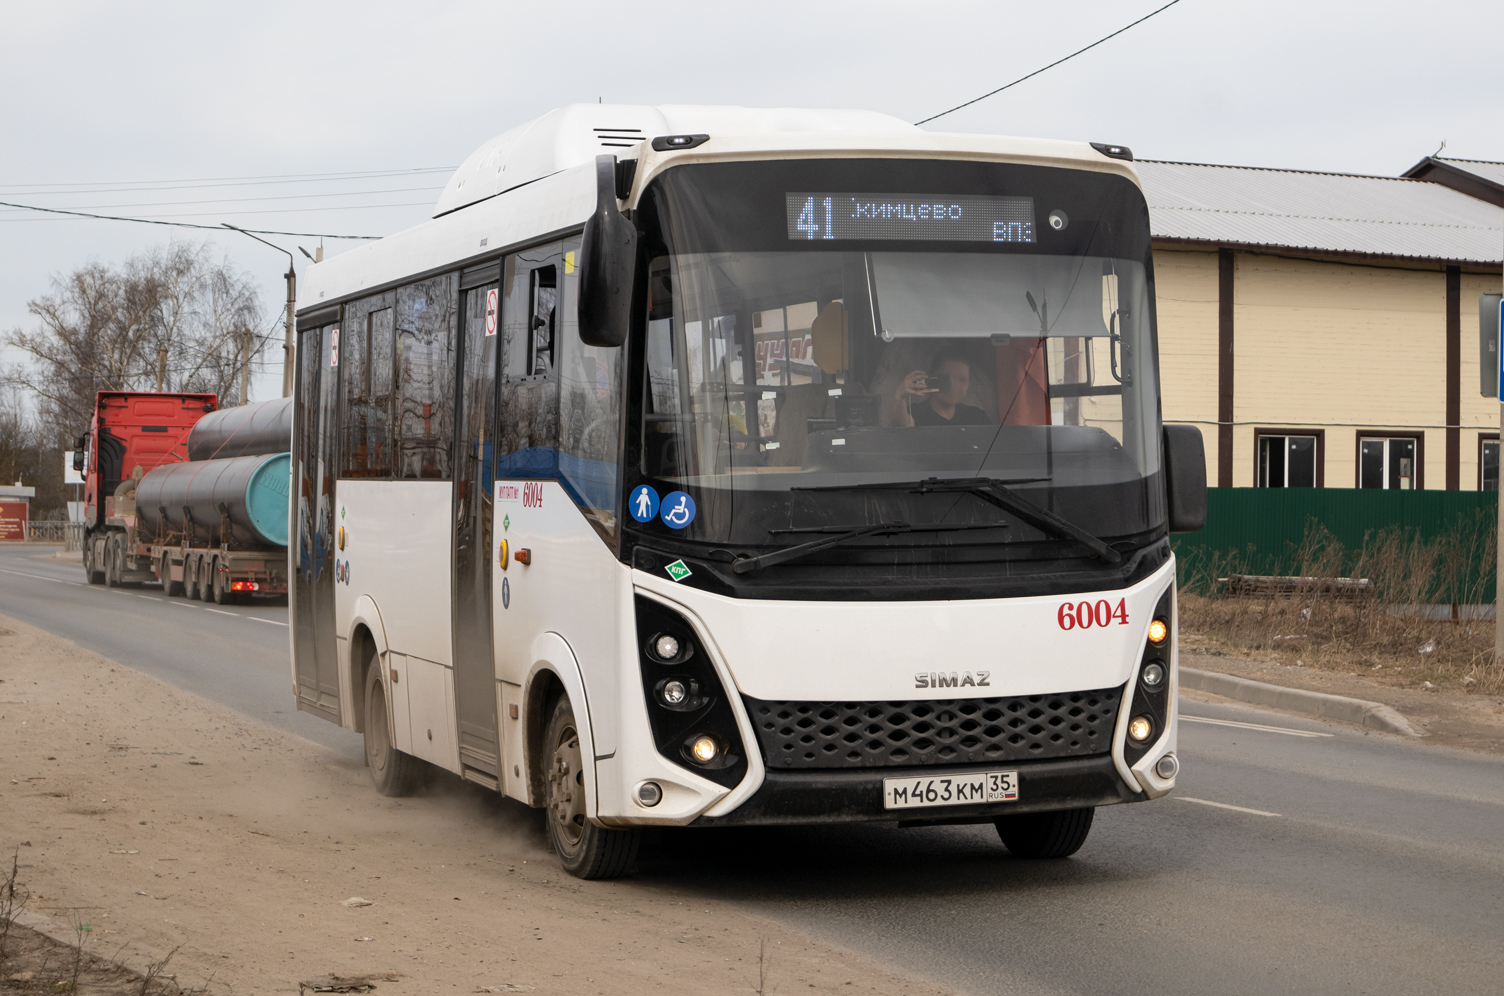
(608, 265)
(1185, 478)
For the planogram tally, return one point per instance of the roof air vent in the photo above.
(618, 137)
(1113, 151)
(666, 143)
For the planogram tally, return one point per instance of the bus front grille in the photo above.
(806, 735)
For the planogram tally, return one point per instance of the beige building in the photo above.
(1322, 329)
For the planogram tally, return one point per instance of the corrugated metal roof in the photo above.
(1492, 172)
(1322, 212)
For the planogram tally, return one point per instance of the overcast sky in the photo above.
(133, 94)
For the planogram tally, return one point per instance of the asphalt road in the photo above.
(1295, 857)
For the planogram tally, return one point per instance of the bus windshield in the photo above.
(996, 326)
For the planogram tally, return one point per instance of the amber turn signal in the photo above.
(1158, 631)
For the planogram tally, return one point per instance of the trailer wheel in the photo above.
(91, 568)
(190, 577)
(585, 850)
(170, 587)
(112, 567)
(221, 588)
(393, 772)
(206, 578)
(1057, 834)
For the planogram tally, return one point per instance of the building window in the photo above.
(1391, 462)
(1289, 461)
(1488, 463)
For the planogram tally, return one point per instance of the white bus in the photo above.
(706, 466)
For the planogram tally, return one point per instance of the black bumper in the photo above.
(804, 797)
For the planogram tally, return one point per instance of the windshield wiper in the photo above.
(844, 533)
(997, 493)
(745, 564)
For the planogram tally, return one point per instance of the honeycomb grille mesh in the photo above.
(805, 735)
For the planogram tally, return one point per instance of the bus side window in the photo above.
(425, 379)
(543, 298)
(366, 356)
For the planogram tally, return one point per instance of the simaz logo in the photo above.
(954, 679)
(532, 496)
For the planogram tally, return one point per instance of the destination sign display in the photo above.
(925, 217)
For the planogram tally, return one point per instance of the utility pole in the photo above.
(161, 369)
(292, 303)
(287, 346)
(245, 367)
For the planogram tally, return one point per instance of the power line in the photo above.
(247, 200)
(233, 181)
(1052, 65)
(184, 224)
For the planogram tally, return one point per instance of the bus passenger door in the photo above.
(312, 602)
(474, 669)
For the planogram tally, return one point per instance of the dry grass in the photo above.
(1386, 633)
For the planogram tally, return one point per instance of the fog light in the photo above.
(674, 693)
(1167, 767)
(650, 794)
(704, 749)
(1158, 631)
(1139, 728)
(1154, 674)
(666, 647)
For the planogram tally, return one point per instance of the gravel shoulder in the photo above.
(1447, 718)
(163, 819)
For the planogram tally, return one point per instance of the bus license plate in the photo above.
(951, 790)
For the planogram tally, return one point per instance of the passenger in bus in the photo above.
(933, 397)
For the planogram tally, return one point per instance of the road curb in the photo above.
(1374, 715)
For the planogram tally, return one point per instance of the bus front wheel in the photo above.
(395, 773)
(585, 850)
(1057, 834)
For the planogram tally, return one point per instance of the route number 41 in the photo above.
(1085, 615)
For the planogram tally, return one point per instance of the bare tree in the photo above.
(174, 318)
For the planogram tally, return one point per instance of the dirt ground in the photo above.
(1443, 717)
(166, 821)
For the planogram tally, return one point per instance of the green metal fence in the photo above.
(1265, 526)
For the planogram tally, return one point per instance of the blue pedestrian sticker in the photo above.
(506, 593)
(644, 504)
(678, 510)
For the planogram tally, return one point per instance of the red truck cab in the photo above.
(131, 430)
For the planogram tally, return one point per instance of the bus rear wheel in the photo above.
(394, 773)
(585, 850)
(1057, 834)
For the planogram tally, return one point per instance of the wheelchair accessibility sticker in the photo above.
(644, 504)
(678, 510)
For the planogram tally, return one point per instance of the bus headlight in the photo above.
(1154, 674)
(692, 718)
(704, 749)
(1139, 728)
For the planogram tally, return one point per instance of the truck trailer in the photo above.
(182, 493)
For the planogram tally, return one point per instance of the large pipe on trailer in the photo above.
(192, 498)
(249, 430)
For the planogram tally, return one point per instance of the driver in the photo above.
(934, 397)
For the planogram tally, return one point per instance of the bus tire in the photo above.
(1057, 834)
(585, 850)
(393, 772)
